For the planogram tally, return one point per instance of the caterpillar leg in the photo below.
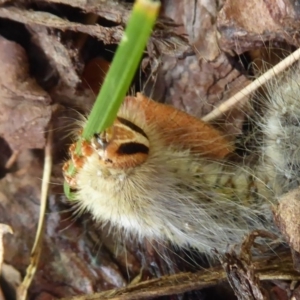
(78, 162)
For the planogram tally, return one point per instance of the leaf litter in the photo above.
(195, 60)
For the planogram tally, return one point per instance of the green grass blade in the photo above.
(121, 72)
(123, 68)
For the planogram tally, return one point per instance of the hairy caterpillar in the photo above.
(161, 174)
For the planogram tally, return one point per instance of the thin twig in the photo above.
(37, 247)
(12, 159)
(272, 268)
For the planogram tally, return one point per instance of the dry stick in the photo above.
(272, 268)
(257, 83)
(37, 247)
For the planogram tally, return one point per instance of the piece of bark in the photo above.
(57, 54)
(242, 278)
(115, 11)
(196, 19)
(248, 25)
(25, 110)
(14, 76)
(163, 40)
(240, 270)
(108, 35)
(197, 83)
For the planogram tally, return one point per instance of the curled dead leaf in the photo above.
(287, 217)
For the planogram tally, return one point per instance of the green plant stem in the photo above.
(120, 74)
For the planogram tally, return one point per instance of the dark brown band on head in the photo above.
(132, 126)
(132, 148)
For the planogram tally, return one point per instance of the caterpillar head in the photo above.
(123, 145)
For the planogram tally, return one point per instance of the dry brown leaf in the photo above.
(71, 261)
(25, 112)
